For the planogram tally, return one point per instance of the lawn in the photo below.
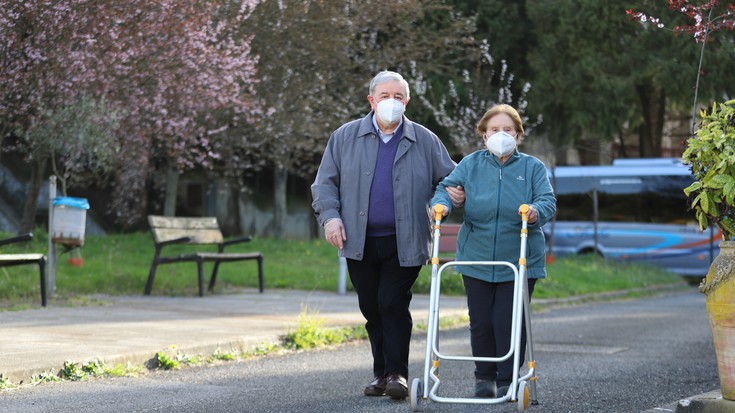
(118, 264)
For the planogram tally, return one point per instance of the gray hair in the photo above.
(388, 76)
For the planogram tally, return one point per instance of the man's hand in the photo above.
(457, 195)
(334, 232)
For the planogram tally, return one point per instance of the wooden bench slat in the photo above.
(158, 221)
(20, 257)
(197, 236)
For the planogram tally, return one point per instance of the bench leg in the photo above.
(149, 284)
(214, 276)
(200, 270)
(42, 268)
(260, 273)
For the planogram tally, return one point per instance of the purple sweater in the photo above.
(381, 213)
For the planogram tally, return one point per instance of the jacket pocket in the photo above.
(464, 235)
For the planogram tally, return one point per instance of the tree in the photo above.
(508, 34)
(43, 112)
(577, 70)
(163, 67)
(703, 22)
(315, 61)
(614, 75)
(462, 107)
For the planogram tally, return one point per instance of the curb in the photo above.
(711, 402)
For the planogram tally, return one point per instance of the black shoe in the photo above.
(396, 387)
(485, 388)
(376, 387)
(503, 390)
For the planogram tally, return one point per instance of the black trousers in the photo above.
(384, 293)
(490, 306)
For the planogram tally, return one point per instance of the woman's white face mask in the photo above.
(501, 144)
(390, 110)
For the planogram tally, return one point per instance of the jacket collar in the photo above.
(366, 128)
(514, 157)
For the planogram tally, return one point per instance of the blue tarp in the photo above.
(67, 201)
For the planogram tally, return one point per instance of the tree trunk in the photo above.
(622, 152)
(226, 208)
(280, 208)
(172, 185)
(38, 168)
(653, 108)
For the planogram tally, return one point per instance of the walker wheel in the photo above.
(415, 394)
(523, 396)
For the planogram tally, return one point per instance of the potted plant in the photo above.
(711, 155)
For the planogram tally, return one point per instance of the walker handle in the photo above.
(523, 209)
(438, 212)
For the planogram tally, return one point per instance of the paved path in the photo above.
(133, 329)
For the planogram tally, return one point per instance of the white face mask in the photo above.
(501, 144)
(390, 110)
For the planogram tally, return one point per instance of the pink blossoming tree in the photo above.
(160, 75)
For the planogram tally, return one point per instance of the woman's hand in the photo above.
(532, 214)
(445, 210)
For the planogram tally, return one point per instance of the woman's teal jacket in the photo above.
(492, 226)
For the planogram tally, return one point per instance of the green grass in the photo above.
(118, 264)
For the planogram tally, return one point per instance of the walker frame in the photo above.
(523, 388)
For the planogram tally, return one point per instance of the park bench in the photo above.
(168, 231)
(7, 260)
(448, 242)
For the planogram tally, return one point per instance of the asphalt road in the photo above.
(626, 356)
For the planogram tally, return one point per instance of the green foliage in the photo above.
(571, 276)
(94, 368)
(711, 155)
(451, 282)
(118, 264)
(78, 138)
(264, 348)
(5, 383)
(166, 362)
(45, 377)
(223, 356)
(124, 370)
(311, 334)
(72, 371)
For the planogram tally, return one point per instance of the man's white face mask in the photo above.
(501, 144)
(390, 110)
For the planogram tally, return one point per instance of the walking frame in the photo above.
(522, 388)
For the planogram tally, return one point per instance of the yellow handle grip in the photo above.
(438, 212)
(523, 209)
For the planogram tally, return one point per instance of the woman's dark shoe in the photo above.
(376, 387)
(396, 387)
(502, 390)
(485, 388)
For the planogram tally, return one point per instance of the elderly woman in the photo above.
(496, 181)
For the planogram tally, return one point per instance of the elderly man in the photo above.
(371, 194)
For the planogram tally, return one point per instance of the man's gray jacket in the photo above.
(342, 185)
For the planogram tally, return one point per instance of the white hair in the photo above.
(388, 76)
